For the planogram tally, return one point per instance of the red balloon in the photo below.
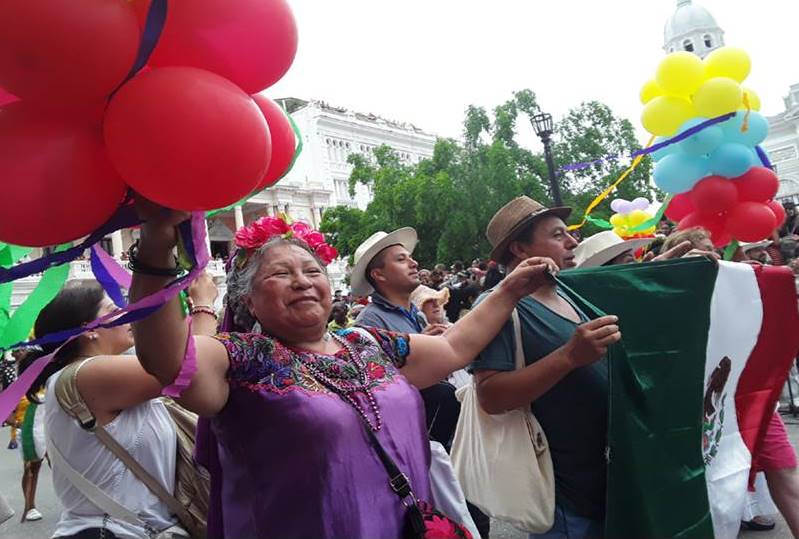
(760, 184)
(283, 140)
(186, 138)
(59, 184)
(714, 224)
(66, 50)
(779, 211)
(751, 221)
(679, 207)
(6, 98)
(714, 194)
(250, 42)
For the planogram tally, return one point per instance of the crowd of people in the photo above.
(317, 409)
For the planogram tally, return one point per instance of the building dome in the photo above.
(692, 28)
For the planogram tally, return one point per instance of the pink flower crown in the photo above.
(257, 233)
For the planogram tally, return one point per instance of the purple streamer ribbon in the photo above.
(124, 217)
(133, 312)
(110, 275)
(655, 147)
(761, 153)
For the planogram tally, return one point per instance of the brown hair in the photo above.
(694, 235)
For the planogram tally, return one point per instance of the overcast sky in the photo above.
(425, 61)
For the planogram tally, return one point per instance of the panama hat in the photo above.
(423, 294)
(603, 247)
(746, 247)
(511, 218)
(370, 248)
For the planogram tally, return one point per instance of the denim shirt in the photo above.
(381, 313)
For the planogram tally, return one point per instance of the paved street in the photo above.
(11, 472)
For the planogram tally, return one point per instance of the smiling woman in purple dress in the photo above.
(292, 406)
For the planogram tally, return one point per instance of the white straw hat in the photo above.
(603, 247)
(369, 249)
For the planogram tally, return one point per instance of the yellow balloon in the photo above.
(729, 62)
(754, 99)
(680, 74)
(649, 91)
(618, 219)
(638, 217)
(664, 115)
(620, 232)
(718, 96)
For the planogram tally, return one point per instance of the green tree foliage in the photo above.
(450, 197)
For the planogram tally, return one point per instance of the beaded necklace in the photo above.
(337, 381)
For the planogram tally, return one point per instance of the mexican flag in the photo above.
(706, 349)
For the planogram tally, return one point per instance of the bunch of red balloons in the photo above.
(741, 208)
(186, 131)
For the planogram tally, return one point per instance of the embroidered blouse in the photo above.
(295, 457)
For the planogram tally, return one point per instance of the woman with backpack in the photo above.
(122, 399)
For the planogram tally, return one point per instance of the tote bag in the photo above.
(503, 461)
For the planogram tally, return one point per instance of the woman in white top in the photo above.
(122, 398)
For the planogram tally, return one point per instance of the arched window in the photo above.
(688, 45)
(708, 41)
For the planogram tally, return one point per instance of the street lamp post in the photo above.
(542, 124)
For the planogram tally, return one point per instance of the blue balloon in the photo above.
(663, 152)
(703, 142)
(731, 160)
(678, 173)
(756, 132)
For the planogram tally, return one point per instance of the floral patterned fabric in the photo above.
(295, 458)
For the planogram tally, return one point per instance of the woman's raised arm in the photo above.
(432, 359)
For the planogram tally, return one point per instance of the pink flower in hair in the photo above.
(275, 226)
(299, 229)
(326, 253)
(314, 239)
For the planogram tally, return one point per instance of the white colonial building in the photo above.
(782, 146)
(692, 28)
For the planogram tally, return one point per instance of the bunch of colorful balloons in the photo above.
(79, 125)
(715, 171)
(629, 216)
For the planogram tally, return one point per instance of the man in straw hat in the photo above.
(565, 379)
(607, 249)
(385, 269)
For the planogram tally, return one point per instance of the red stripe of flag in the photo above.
(776, 348)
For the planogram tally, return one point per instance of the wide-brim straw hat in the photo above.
(512, 218)
(423, 294)
(369, 249)
(746, 247)
(603, 247)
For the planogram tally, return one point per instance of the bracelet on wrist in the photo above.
(207, 309)
(137, 266)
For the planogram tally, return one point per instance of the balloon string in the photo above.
(745, 123)
(153, 26)
(656, 147)
(604, 194)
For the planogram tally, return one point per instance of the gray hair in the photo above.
(239, 280)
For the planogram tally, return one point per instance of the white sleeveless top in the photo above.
(147, 432)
